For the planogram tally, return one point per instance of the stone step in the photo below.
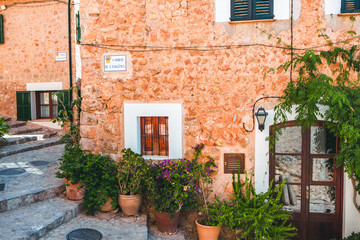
(24, 129)
(35, 220)
(30, 146)
(34, 182)
(16, 124)
(110, 225)
(14, 202)
(17, 139)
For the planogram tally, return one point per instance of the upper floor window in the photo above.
(251, 9)
(350, 6)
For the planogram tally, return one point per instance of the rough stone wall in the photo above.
(33, 34)
(217, 88)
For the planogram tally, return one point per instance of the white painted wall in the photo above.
(281, 10)
(332, 7)
(33, 105)
(132, 114)
(351, 217)
(44, 86)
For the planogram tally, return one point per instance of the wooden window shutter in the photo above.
(240, 10)
(350, 6)
(23, 106)
(262, 9)
(154, 136)
(1, 29)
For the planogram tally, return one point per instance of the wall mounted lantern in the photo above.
(261, 117)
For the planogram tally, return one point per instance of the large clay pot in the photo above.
(73, 191)
(165, 223)
(107, 207)
(207, 232)
(130, 204)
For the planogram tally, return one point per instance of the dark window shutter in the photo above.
(1, 29)
(262, 9)
(350, 6)
(65, 99)
(23, 106)
(240, 10)
(78, 28)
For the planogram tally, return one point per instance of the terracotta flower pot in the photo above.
(207, 232)
(130, 204)
(165, 223)
(107, 207)
(73, 191)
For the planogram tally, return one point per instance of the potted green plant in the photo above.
(4, 129)
(175, 188)
(208, 224)
(133, 173)
(101, 183)
(252, 215)
(72, 170)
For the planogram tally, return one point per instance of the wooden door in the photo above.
(314, 184)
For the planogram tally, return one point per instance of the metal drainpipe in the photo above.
(70, 54)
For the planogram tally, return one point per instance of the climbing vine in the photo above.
(330, 78)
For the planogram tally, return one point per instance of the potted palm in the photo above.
(133, 173)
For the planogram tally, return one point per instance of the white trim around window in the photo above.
(132, 114)
(281, 10)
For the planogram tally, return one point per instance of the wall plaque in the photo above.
(114, 63)
(232, 161)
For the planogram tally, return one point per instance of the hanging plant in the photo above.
(329, 78)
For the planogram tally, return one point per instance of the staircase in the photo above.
(32, 201)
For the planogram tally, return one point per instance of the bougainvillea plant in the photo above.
(176, 182)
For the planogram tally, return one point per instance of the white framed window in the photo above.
(281, 10)
(134, 112)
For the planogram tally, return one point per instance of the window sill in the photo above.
(154, 157)
(348, 14)
(253, 21)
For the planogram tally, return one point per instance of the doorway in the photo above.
(314, 185)
(47, 105)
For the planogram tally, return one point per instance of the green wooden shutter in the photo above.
(78, 28)
(240, 10)
(350, 6)
(65, 98)
(1, 29)
(23, 105)
(262, 9)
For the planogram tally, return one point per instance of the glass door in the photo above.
(313, 190)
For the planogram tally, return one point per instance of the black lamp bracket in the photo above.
(253, 112)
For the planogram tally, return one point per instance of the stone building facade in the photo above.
(187, 62)
(34, 32)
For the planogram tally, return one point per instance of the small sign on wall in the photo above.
(114, 63)
(60, 56)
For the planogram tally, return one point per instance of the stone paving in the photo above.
(112, 227)
(36, 180)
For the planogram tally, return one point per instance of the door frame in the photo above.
(306, 170)
(38, 114)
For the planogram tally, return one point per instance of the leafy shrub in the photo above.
(134, 173)
(101, 182)
(4, 128)
(257, 216)
(72, 164)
